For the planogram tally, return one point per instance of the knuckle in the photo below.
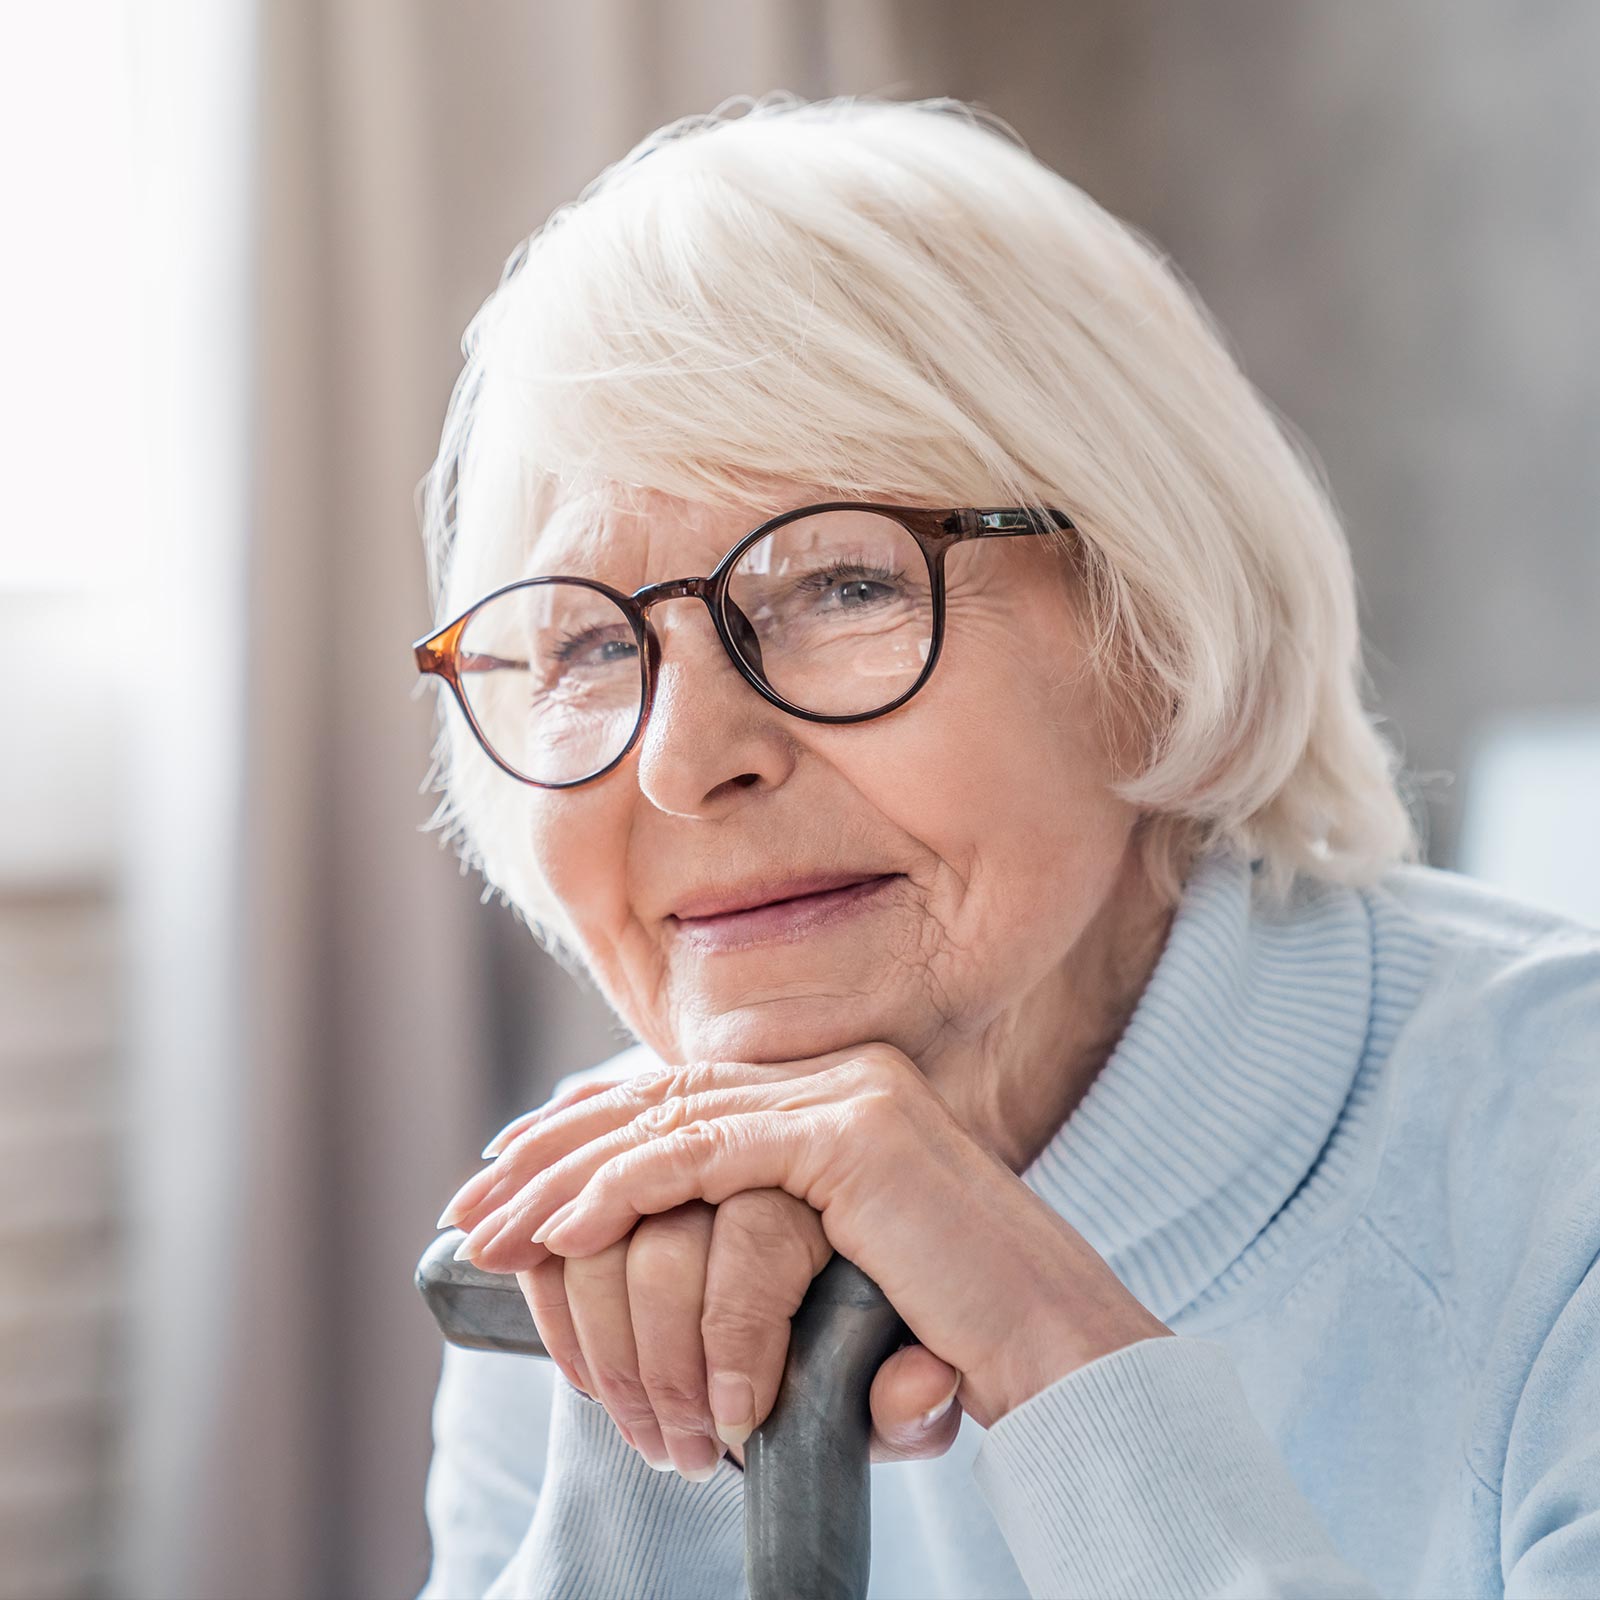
(885, 1083)
(739, 1324)
(675, 1399)
(621, 1390)
(665, 1116)
(650, 1088)
(883, 1064)
(661, 1257)
(646, 1088)
(695, 1142)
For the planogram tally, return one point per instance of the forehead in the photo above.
(647, 535)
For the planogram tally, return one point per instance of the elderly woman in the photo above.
(911, 672)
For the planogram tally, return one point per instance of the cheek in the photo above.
(1008, 784)
(580, 851)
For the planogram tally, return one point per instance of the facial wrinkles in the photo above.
(927, 953)
(939, 953)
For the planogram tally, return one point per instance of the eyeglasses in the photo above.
(832, 612)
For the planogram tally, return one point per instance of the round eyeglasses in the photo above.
(833, 612)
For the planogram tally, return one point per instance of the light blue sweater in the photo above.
(1351, 1156)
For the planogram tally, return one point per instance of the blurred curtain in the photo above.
(329, 1022)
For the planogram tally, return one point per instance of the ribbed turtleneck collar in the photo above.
(1225, 1084)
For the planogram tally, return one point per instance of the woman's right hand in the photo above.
(706, 1292)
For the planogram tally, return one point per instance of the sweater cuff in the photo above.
(608, 1523)
(1144, 1473)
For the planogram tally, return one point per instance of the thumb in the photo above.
(915, 1413)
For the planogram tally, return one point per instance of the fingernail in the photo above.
(928, 1418)
(554, 1221)
(500, 1140)
(453, 1207)
(733, 1407)
(481, 1235)
(506, 1134)
(497, 1144)
(695, 1455)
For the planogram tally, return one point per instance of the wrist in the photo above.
(1051, 1346)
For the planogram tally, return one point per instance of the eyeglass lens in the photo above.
(833, 611)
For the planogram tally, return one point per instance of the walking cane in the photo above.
(807, 1498)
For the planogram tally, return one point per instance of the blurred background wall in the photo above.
(254, 1024)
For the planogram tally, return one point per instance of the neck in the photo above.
(1013, 1084)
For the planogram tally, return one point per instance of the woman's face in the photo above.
(986, 796)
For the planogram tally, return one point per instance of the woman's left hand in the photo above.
(985, 1274)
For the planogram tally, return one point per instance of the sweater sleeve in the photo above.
(1144, 1473)
(491, 1420)
(532, 1494)
(1550, 1489)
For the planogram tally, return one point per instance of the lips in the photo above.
(746, 897)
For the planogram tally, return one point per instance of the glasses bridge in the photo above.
(673, 589)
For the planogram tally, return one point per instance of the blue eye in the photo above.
(856, 574)
(570, 646)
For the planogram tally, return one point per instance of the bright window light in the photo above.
(70, 406)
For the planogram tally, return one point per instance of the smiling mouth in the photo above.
(783, 921)
(705, 907)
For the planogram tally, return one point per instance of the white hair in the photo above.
(898, 300)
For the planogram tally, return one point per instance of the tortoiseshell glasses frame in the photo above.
(936, 532)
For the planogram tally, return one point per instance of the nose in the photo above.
(709, 736)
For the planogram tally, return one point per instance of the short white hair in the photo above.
(899, 301)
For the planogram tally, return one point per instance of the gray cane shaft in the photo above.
(807, 1495)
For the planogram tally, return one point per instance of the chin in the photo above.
(794, 1029)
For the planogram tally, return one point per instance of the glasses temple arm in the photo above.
(478, 661)
(1001, 524)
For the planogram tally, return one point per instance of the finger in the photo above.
(666, 1286)
(787, 1149)
(470, 1197)
(915, 1413)
(545, 1143)
(766, 1247)
(597, 1295)
(569, 1096)
(500, 1241)
(544, 1288)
